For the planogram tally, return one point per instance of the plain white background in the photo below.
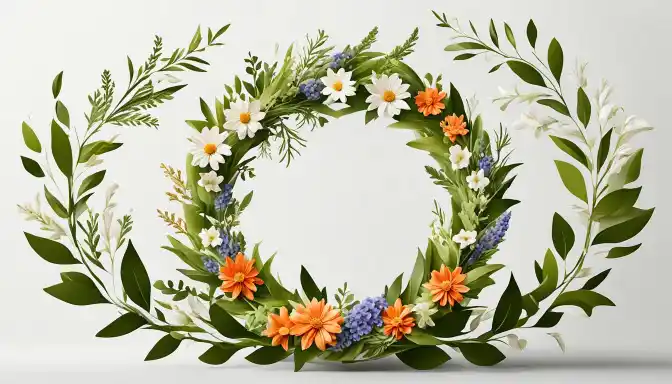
(357, 203)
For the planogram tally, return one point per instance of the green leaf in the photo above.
(538, 272)
(50, 250)
(556, 105)
(508, 309)
(246, 201)
(549, 320)
(482, 354)
(225, 324)
(125, 324)
(96, 148)
(421, 337)
(532, 33)
(465, 46)
(619, 252)
(56, 85)
(563, 236)
(603, 152)
(60, 149)
(207, 112)
(268, 355)
(414, 283)
(309, 286)
(423, 358)
(616, 202)
(495, 68)
(164, 347)
(431, 144)
(196, 40)
(625, 230)
(134, 278)
(30, 138)
(596, 280)
(586, 300)
(555, 59)
(549, 278)
(56, 205)
(451, 324)
(497, 207)
(394, 291)
(572, 179)
(483, 271)
(91, 182)
(571, 149)
(464, 56)
(583, 108)
(493, 34)
(526, 72)
(509, 35)
(220, 353)
(629, 171)
(77, 289)
(62, 114)
(301, 357)
(31, 166)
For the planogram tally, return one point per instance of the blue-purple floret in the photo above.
(228, 247)
(360, 321)
(485, 163)
(491, 238)
(224, 198)
(312, 89)
(210, 265)
(338, 60)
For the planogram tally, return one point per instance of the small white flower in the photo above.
(338, 86)
(387, 94)
(459, 157)
(621, 157)
(465, 238)
(243, 117)
(423, 314)
(603, 94)
(607, 112)
(210, 237)
(632, 126)
(208, 148)
(177, 316)
(210, 181)
(540, 124)
(198, 309)
(477, 180)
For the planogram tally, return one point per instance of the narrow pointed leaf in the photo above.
(134, 278)
(30, 138)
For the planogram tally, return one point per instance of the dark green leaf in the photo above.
(556, 105)
(77, 289)
(196, 40)
(538, 272)
(572, 179)
(394, 291)
(31, 166)
(91, 182)
(465, 46)
(164, 347)
(220, 353)
(619, 252)
(563, 236)
(414, 283)
(497, 207)
(482, 354)
(586, 300)
(603, 152)
(309, 286)
(596, 280)
(625, 230)
(56, 205)
(423, 358)
(571, 149)
(549, 320)
(616, 202)
(62, 114)
(207, 112)
(464, 56)
(30, 138)
(508, 309)
(225, 324)
(301, 357)
(509, 35)
(526, 72)
(50, 250)
(125, 324)
(60, 149)
(532, 33)
(451, 324)
(493, 34)
(583, 108)
(56, 85)
(495, 68)
(246, 201)
(555, 59)
(629, 171)
(96, 148)
(134, 278)
(267, 355)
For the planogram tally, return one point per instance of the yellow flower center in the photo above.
(245, 117)
(210, 148)
(446, 285)
(315, 323)
(239, 277)
(389, 96)
(284, 331)
(338, 85)
(396, 321)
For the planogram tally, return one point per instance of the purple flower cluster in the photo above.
(228, 247)
(360, 321)
(338, 59)
(224, 198)
(485, 163)
(210, 265)
(312, 89)
(491, 237)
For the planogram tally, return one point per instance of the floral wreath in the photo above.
(235, 302)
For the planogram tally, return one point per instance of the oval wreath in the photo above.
(235, 302)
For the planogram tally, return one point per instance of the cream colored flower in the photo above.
(338, 86)
(210, 237)
(465, 238)
(387, 94)
(210, 181)
(459, 157)
(477, 180)
(243, 117)
(208, 148)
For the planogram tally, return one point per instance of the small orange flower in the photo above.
(239, 277)
(446, 286)
(430, 102)
(453, 126)
(278, 328)
(317, 322)
(398, 320)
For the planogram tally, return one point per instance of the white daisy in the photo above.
(244, 117)
(465, 238)
(387, 94)
(210, 181)
(210, 237)
(459, 157)
(209, 148)
(477, 180)
(338, 86)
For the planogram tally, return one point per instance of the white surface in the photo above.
(357, 203)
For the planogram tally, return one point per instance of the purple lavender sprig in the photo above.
(492, 236)
(224, 198)
(360, 321)
(312, 89)
(485, 163)
(338, 59)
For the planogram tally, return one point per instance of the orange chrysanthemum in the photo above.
(446, 286)
(453, 126)
(430, 102)
(398, 320)
(239, 277)
(278, 328)
(317, 322)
